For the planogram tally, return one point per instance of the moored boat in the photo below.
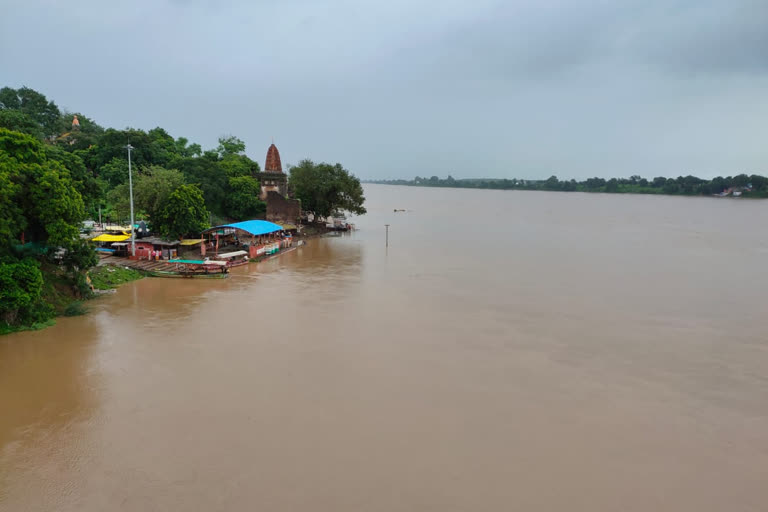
(211, 269)
(232, 259)
(186, 274)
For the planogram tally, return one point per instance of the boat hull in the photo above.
(186, 275)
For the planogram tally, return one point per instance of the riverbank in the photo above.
(60, 297)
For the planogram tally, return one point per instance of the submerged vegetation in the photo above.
(747, 185)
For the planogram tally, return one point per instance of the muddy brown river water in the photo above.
(508, 351)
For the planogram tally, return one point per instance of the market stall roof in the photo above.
(191, 242)
(111, 238)
(288, 227)
(252, 227)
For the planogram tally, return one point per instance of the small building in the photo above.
(153, 248)
(258, 237)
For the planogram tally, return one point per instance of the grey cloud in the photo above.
(404, 87)
(708, 38)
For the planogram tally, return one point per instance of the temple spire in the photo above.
(273, 163)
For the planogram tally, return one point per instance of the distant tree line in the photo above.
(749, 185)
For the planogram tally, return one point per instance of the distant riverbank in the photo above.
(742, 185)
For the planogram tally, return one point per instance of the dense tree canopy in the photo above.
(325, 189)
(243, 199)
(184, 213)
(39, 203)
(35, 106)
(20, 285)
(42, 199)
(153, 188)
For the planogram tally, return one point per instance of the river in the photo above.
(508, 351)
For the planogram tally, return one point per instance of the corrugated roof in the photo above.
(253, 227)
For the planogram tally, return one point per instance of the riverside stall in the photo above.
(256, 237)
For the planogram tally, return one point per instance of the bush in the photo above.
(21, 283)
(75, 309)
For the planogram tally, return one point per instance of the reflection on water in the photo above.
(509, 350)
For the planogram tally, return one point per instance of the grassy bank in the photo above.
(108, 277)
(8, 329)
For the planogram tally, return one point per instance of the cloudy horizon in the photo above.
(398, 89)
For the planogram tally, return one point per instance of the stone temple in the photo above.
(273, 178)
(274, 190)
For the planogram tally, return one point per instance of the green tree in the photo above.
(183, 214)
(243, 199)
(46, 204)
(21, 284)
(186, 150)
(552, 183)
(153, 187)
(11, 216)
(33, 104)
(114, 172)
(20, 122)
(230, 145)
(207, 173)
(79, 256)
(118, 200)
(82, 178)
(238, 165)
(325, 189)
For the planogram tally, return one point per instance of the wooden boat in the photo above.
(233, 259)
(203, 269)
(181, 274)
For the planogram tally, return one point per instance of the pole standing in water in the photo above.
(130, 191)
(387, 236)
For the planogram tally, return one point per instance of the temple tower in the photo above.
(273, 179)
(274, 190)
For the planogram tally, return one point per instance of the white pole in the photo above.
(130, 189)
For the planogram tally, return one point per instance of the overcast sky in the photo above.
(398, 88)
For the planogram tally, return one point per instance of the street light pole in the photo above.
(130, 189)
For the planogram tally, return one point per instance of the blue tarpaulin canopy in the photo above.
(253, 227)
